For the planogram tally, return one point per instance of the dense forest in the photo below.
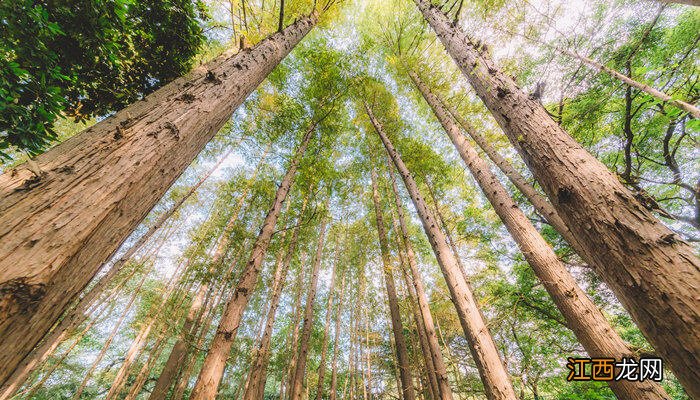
(349, 199)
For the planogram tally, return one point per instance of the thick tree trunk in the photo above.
(407, 390)
(497, 383)
(258, 367)
(324, 343)
(581, 314)
(426, 317)
(215, 361)
(653, 272)
(98, 186)
(179, 351)
(78, 314)
(336, 342)
(296, 387)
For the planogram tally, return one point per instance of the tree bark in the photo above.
(296, 387)
(98, 186)
(653, 272)
(407, 390)
(215, 361)
(334, 369)
(581, 314)
(497, 382)
(258, 367)
(426, 317)
(294, 340)
(77, 315)
(324, 343)
(179, 351)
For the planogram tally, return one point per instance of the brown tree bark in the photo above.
(293, 342)
(179, 351)
(407, 390)
(143, 374)
(215, 361)
(497, 382)
(443, 386)
(581, 314)
(78, 314)
(296, 386)
(324, 343)
(258, 367)
(98, 186)
(336, 342)
(653, 272)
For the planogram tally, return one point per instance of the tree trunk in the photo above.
(77, 315)
(146, 368)
(581, 314)
(98, 186)
(653, 272)
(437, 361)
(688, 2)
(215, 361)
(179, 351)
(258, 367)
(324, 343)
(497, 383)
(294, 341)
(407, 390)
(296, 387)
(334, 369)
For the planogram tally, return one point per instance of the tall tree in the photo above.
(582, 316)
(407, 390)
(86, 195)
(296, 386)
(215, 361)
(326, 329)
(493, 374)
(652, 271)
(336, 343)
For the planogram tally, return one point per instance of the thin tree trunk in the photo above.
(77, 315)
(146, 368)
(258, 367)
(688, 2)
(296, 387)
(334, 369)
(215, 361)
(294, 341)
(653, 272)
(99, 185)
(497, 383)
(324, 343)
(691, 109)
(582, 316)
(440, 371)
(407, 390)
(367, 386)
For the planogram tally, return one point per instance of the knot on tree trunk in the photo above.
(18, 296)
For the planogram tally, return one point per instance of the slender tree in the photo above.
(296, 386)
(87, 195)
(336, 343)
(326, 328)
(653, 272)
(407, 391)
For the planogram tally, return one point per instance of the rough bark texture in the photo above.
(97, 186)
(407, 391)
(296, 387)
(179, 351)
(581, 314)
(653, 272)
(258, 368)
(426, 317)
(215, 361)
(324, 345)
(497, 383)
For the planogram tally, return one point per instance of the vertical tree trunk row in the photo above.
(582, 316)
(653, 272)
(496, 379)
